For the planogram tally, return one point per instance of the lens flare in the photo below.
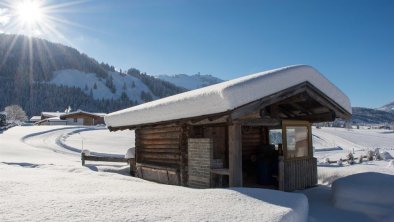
(30, 12)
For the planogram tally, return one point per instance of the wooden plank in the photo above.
(160, 146)
(106, 159)
(319, 117)
(161, 150)
(183, 147)
(159, 142)
(324, 100)
(169, 135)
(160, 129)
(159, 156)
(295, 174)
(235, 155)
(159, 161)
(222, 171)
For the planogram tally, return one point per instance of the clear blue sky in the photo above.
(350, 42)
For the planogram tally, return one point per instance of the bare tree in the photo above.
(15, 114)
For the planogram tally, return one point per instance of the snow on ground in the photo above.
(87, 139)
(366, 193)
(336, 143)
(41, 180)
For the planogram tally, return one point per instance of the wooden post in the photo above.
(132, 167)
(235, 155)
(83, 158)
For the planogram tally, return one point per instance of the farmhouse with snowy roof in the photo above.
(79, 117)
(251, 131)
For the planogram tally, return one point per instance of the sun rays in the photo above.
(30, 12)
(35, 18)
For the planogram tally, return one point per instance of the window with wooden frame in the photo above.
(297, 139)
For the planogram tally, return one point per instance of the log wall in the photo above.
(252, 139)
(161, 153)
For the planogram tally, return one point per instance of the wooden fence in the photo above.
(296, 174)
(131, 162)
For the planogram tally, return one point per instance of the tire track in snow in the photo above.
(50, 140)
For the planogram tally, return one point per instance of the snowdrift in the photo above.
(369, 193)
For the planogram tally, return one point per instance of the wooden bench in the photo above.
(131, 162)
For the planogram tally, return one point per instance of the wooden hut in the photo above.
(252, 131)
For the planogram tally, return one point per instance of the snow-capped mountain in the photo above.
(190, 81)
(388, 108)
(90, 84)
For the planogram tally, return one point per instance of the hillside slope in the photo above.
(43, 76)
(371, 116)
(388, 107)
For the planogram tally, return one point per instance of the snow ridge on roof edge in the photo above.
(226, 96)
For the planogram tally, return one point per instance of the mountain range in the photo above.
(388, 108)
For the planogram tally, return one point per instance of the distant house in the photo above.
(253, 131)
(79, 117)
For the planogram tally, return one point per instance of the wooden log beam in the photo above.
(321, 117)
(235, 155)
(105, 159)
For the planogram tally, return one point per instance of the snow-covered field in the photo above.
(41, 178)
(336, 143)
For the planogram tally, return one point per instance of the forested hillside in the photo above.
(33, 74)
(371, 116)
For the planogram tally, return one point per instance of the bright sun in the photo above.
(30, 12)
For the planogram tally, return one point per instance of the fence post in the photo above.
(83, 158)
(131, 163)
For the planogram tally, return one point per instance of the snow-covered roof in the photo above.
(226, 96)
(82, 112)
(51, 119)
(35, 118)
(52, 114)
